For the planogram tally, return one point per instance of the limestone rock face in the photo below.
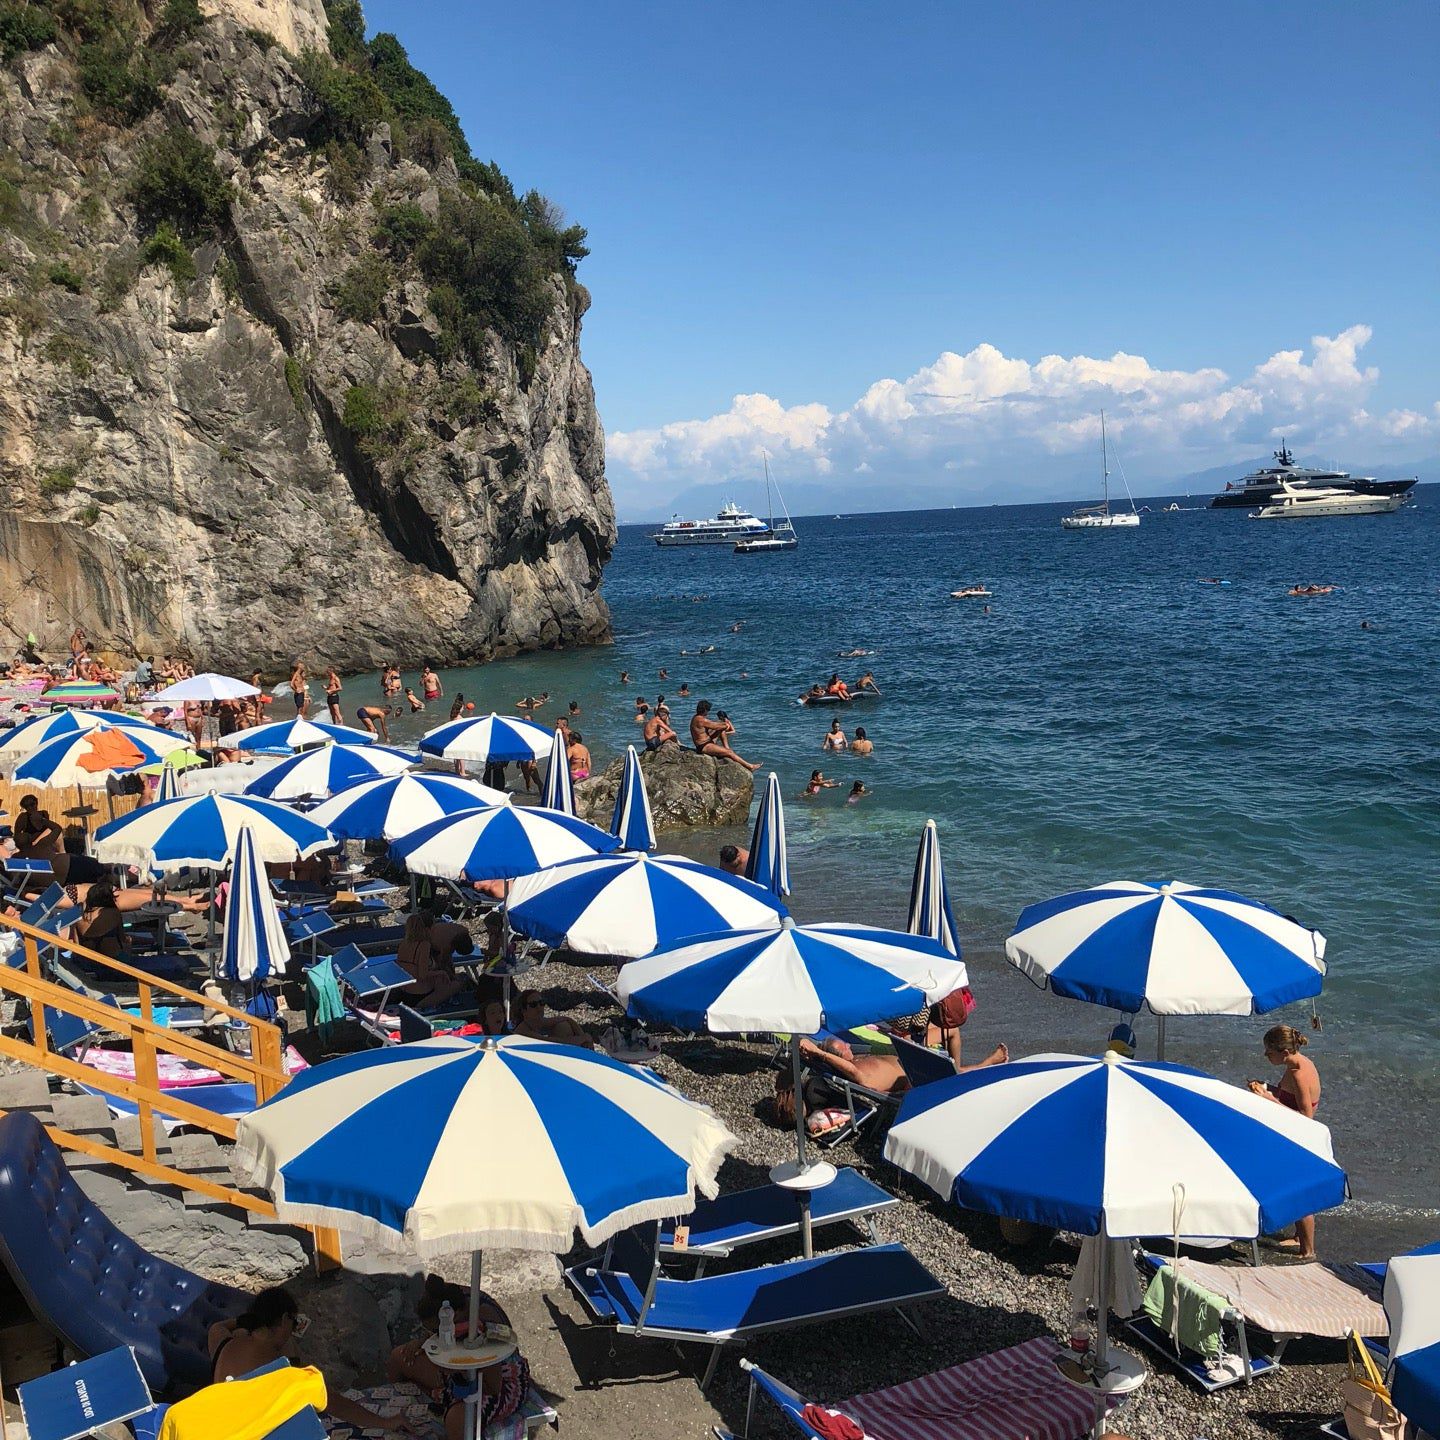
(685, 789)
(178, 470)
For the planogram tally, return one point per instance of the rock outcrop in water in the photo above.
(283, 369)
(685, 789)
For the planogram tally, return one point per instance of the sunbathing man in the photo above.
(711, 737)
(882, 1073)
(528, 1018)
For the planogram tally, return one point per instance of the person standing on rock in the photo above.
(711, 737)
(300, 689)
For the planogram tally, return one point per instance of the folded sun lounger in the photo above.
(716, 1310)
(1014, 1394)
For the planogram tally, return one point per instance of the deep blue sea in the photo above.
(1112, 716)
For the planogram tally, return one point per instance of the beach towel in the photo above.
(1328, 1301)
(324, 1010)
(1187, 1312)
(1125, 1296)
(245, 1409)
(175, 1072)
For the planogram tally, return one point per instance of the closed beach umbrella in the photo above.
(203, 830)
(627, 905)
(329, 768)
(89, 758)
(769, 862)
(1174, 949)
(488, 740)
(387, 809)
(930, 912)
(205, 686)
(559, 793)
(498, 842)
(287, 736)
(25, 739)
(1412, 1305)
(630, 821)
(254, 945)
(384, 1143)
(1115, 1148)
(77, 692)
(168, 786)
(797, 979)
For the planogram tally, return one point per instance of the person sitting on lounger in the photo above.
(434, 981)
(943, 1023)
(37, 836)
(504, 1386)
(101, 927)
(259, 1337)
(528, 1018)
(882, 1073)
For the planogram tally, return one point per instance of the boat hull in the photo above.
(1331, 509)
(1100, 522)
(764, 547)
(671, 542)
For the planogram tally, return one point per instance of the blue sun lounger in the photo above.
(717, 1310)
(716, 1228)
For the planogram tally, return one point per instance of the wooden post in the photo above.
(32, 958)
(327, 1250)
(147, 1077)
(266, 1051)
(147, 1007)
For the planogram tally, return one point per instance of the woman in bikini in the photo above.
(1297, 1089)
(434, 982)
(259, 1337)
(577, 755)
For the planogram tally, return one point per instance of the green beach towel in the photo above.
(324, 1010)
(1196, 1326)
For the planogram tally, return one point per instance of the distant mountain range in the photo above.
(855, 497)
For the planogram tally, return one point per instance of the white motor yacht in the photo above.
(1296, 502)
(730, 525)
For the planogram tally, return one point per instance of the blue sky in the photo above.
(793, 202)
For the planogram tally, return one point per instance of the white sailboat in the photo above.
(1101, 517)
(782, 534)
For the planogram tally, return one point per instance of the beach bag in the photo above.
(1369, 1415)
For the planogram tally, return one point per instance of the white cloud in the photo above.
(1014, 428)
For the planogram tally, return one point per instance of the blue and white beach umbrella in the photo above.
(930, 912)
(388, 809)
(253, 945)
(25, 739)
(629, 904)
(630, 821)
(498, 842)
(1412, 1305)
(385, 1142)
(488, 739)
(203, 831)
(769, 862)
(330, 768)
(797, 980)
(81, 760)
(1175, 949)
(559, 793)
(1117, 1145)
(284, 737)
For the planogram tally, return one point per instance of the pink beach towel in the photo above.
(1014, 1394)
(175, 1072)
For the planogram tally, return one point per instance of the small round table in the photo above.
(465, 1360)
(816, 1176)
(159, 911)
(1127, 1373)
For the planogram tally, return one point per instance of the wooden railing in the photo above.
(263, 1067)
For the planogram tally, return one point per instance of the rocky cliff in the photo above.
(284, 370)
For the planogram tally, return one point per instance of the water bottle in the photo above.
(447, 1326)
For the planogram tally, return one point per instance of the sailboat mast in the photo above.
(1104, 464)
(769, 499)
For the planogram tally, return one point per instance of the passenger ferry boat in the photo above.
(730, 525)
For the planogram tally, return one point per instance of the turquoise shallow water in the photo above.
(1111, 717)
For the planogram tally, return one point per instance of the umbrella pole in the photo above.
(475, 1259)
(799, 1104)
(1160, 1041)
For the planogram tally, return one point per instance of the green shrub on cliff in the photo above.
(124, 81)
(165, 247)
(24, 27)
(176, 180)
(359, 293)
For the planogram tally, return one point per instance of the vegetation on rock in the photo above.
(176, 180)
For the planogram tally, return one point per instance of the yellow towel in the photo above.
(245, 1409)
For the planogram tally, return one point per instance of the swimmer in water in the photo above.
(857, 792)
(415, 705)
(736, 627)
(818, 782)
